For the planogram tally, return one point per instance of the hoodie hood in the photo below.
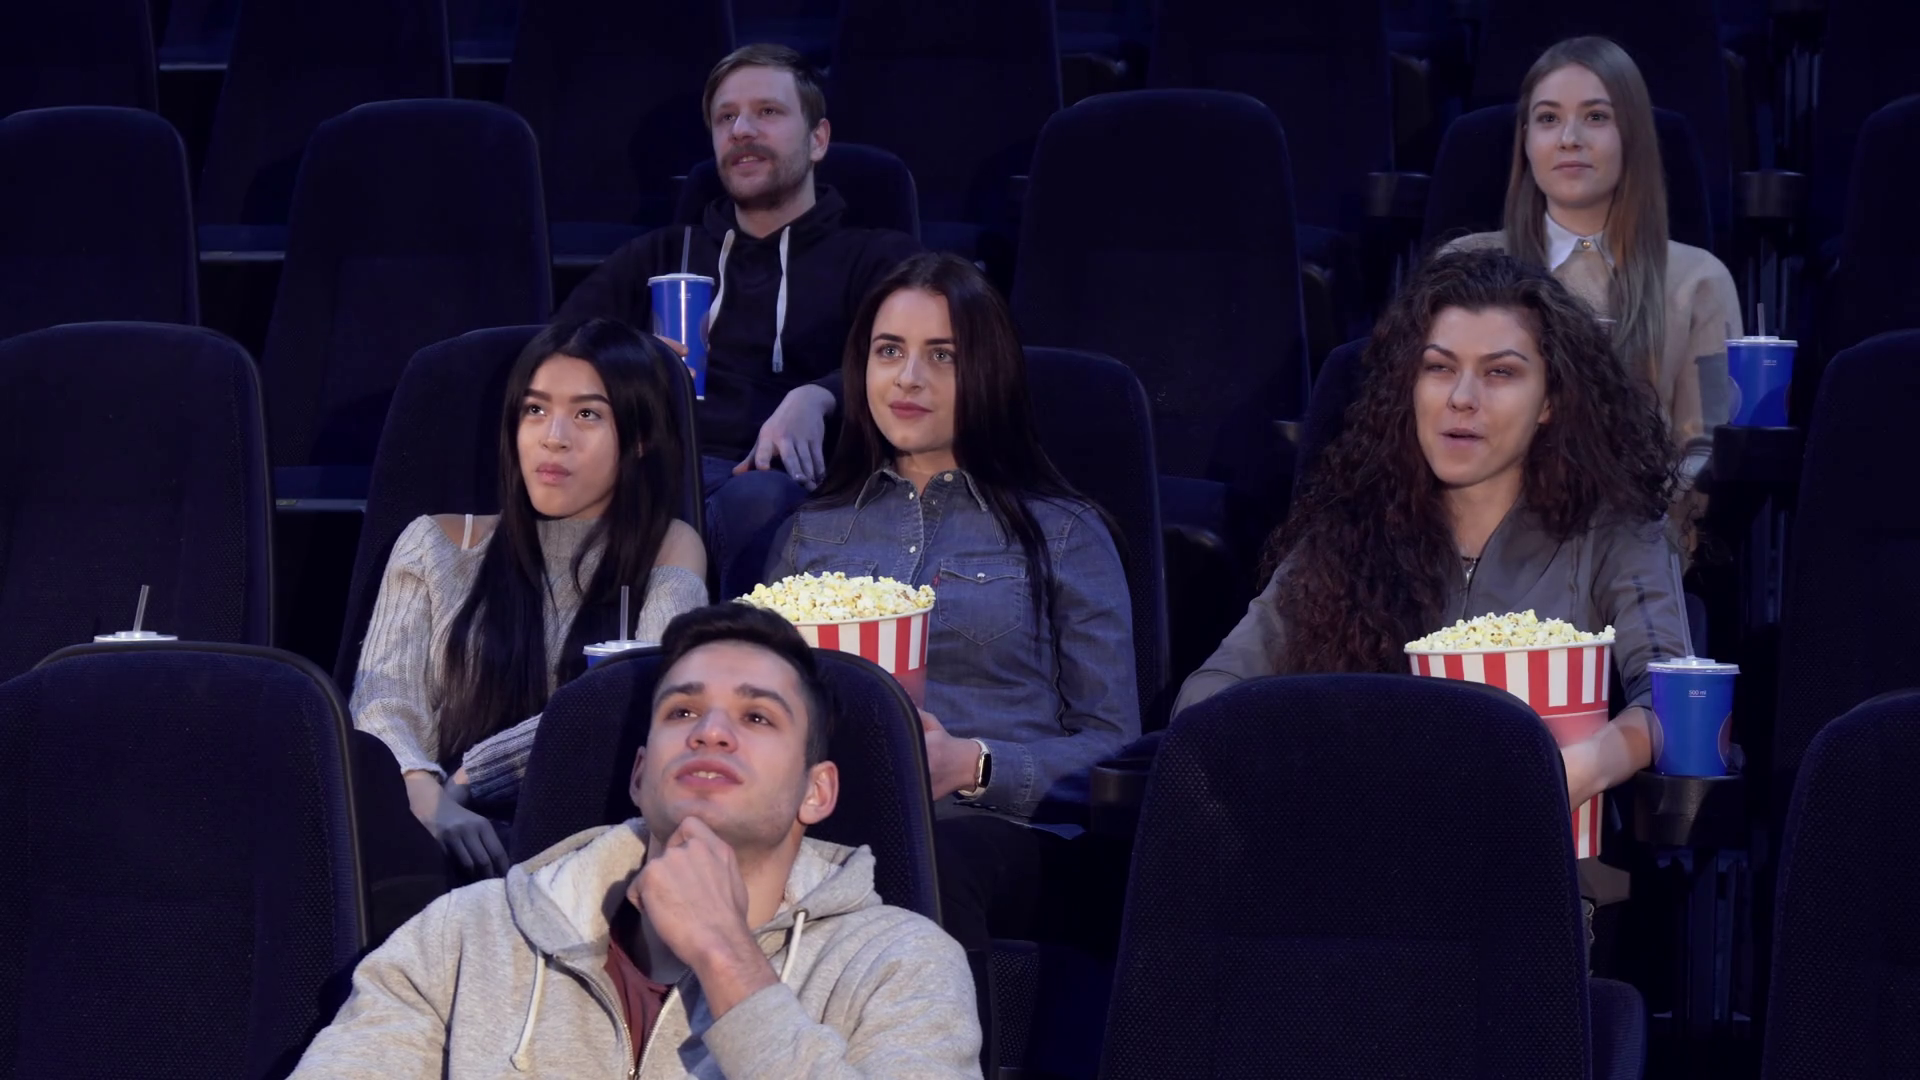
(808, 228)
(565, 898)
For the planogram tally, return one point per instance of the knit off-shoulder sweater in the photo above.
(401, 686)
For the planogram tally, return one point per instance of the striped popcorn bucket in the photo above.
(898, 643)
(1565, 684)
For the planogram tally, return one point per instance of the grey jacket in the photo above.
(1625, 575)
(507, 978)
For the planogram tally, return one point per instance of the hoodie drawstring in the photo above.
(779, 304)
(520, 1057)
(720, 288)
(793, 943)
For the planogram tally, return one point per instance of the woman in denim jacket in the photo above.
(939, 479)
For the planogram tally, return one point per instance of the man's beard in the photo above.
(785, 177)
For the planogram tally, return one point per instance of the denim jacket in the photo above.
(1049, 695)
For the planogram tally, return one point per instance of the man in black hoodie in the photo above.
(787, 278)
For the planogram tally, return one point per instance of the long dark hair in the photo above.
(994, 436)
(496, 653)
(1637, 217)
(1369, 547)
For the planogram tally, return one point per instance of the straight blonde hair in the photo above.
(1636, 221)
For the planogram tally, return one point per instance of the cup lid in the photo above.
(1693, 665)
(1761, 339)
(679, 277)
(601, 648)
(134, 635)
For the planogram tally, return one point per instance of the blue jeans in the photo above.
(743, 513)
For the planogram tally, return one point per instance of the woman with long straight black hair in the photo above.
(480, 618)
(939, 479)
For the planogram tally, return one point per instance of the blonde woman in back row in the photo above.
(1587, 199)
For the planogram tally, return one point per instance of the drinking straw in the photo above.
(140, 613)
(623, 613)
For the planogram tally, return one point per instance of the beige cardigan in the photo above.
(1703, 311)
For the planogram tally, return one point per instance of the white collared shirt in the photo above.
(1562, 242)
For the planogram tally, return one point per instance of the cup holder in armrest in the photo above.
(1114, 793)
(1690, 811)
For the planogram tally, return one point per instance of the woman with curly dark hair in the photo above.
(1499, 458)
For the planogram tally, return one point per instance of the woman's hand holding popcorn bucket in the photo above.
(1560, 672)
(879, 619)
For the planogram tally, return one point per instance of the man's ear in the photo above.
(823, 793)
(818, 140)
(633, 782)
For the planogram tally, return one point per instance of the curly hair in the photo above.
(1368, 550)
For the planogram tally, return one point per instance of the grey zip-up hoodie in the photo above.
(1624, 575)
(507, 978)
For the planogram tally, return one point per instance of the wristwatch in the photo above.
(982, 773)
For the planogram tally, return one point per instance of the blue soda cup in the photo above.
(1762, 370)
(1693, 701)
(600, 653)
(680, 303)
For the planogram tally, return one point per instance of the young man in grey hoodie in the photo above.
(707, 938)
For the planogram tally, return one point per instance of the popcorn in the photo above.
(830, 598)
(1514, 630)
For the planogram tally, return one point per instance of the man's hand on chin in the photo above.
(693, 896)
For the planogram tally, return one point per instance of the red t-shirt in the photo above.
(640, 997)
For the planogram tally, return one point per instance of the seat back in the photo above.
(1096, 426)
(878, 189)
(95, 221)
(1377, 870)
(1334, 391)
(440, 454)
(76, 52)
(484, 29)
(1323, 70)
(293, 67)
(1469, 190)
(186, 812)
(1844, 990)
(613, 92)
(1866, 62)
(1141, 263)
(1853, 566)
(136, 456)
(1674, 43)
(413, 222)
(1879, 286)
(582, 761)
(959, 91)
(199, 31)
